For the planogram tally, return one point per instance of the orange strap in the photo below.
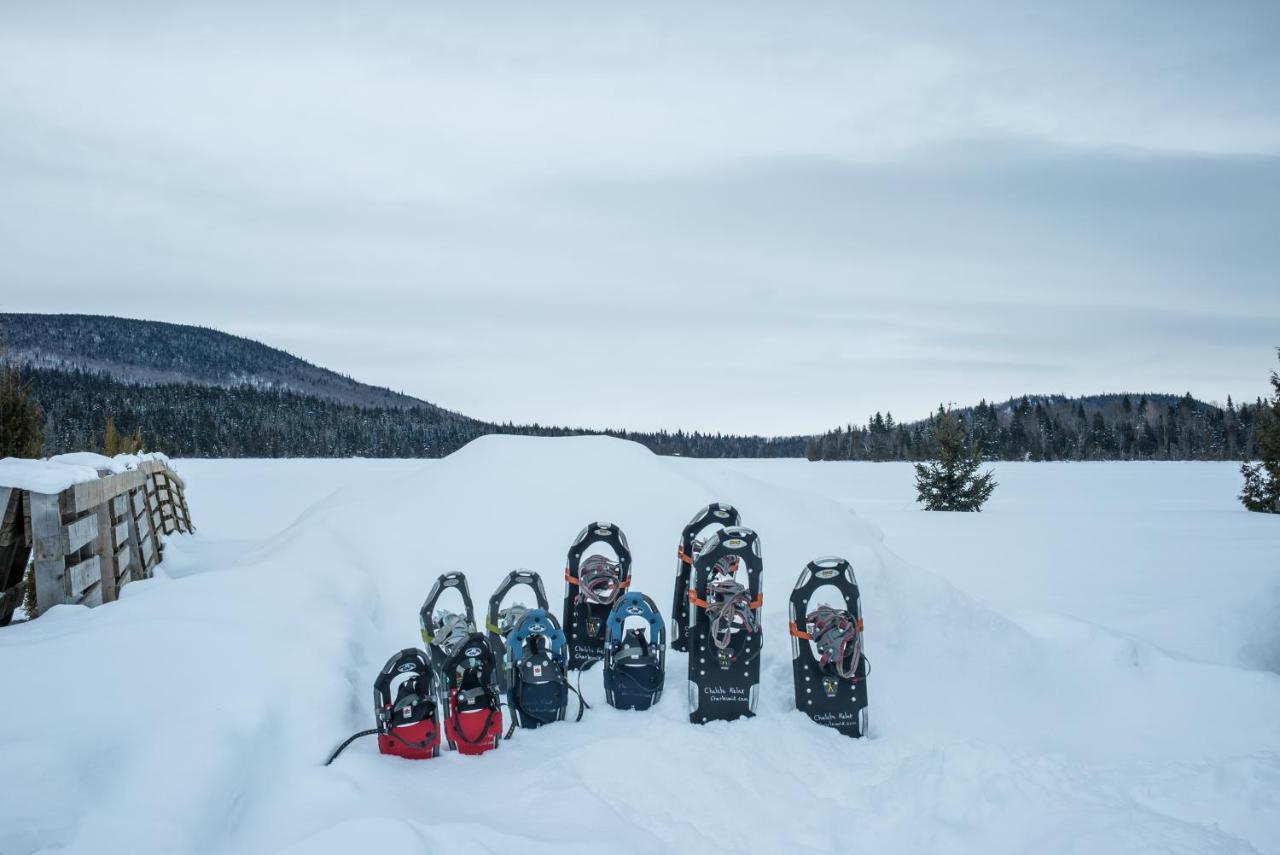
(796, 631)
(573, 580)
(702, 604)
(682, 555)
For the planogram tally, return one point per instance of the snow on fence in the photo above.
(90, 538)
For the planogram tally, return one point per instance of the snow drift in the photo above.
(193, 715)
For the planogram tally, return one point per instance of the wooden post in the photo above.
(14, 552)
(104, 548)
(136, 569)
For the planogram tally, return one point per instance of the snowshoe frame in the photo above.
(724, 686)
(713, 514)
(822, 694)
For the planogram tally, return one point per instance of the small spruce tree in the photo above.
(951, 482)
(1261, 490)
(21, 419)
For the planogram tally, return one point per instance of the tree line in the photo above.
(1100, 427)
(190, 420)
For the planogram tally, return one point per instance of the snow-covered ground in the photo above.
(1088, 666)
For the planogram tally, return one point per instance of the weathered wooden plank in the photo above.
(148, 553)
(81, 532)
(120, 504)
(124, 566)
(138, 499)
(47, 544)
(92, 596)
(91, 494)
(121, 532)
(9, 531)
(87, 572)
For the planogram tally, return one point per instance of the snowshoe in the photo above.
(502, 621)
(537, 665)
(473, 721)
(725, 635)
(591, 586)
(634, 664)
(406, 723)
(826, 649)
(690, 542)
(442, 630)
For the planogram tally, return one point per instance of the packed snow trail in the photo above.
(194, 714)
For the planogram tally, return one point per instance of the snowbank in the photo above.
(57, 473)
(192, 716)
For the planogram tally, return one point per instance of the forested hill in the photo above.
(1056, 427)
(150, 352)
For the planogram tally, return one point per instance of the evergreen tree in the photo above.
(21, 419)
(951, 481)
(1261, 491)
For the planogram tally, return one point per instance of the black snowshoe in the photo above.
(691, 540)
(826, 649)
(634, 663)
(591, 586)
(442, 630)
(473, 710)
(501, 621)
(407, 724)
(537, 666)
(725, 635)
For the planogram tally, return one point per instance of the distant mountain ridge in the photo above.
(153, 353)
(198, 392)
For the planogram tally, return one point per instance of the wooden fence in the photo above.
(90, 540)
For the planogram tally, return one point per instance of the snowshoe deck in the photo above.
(713, 514)
(473, 721)
(499, 624)
(586, 610)
(407, 723)
(635, 665)
(724, 627)
(831, 684)
(537, 670)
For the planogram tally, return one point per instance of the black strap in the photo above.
(488, 720)
(350, 739)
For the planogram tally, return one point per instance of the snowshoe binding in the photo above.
(537, 664)
(826, 649)
(725, 635)
(635, 663)
(501, 621)
(691, 540)
(591, 586)
(473, 721)
(407, 725)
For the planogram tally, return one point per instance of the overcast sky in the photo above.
(749, 218)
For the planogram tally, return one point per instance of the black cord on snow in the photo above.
(350, 739)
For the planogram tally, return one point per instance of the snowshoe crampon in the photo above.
(537, 670)
(591, 585)
(714, 514)
(404, 706)
(725, 635)
(826, 648)
(473, 720)
(502, 620)
(635, 657)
